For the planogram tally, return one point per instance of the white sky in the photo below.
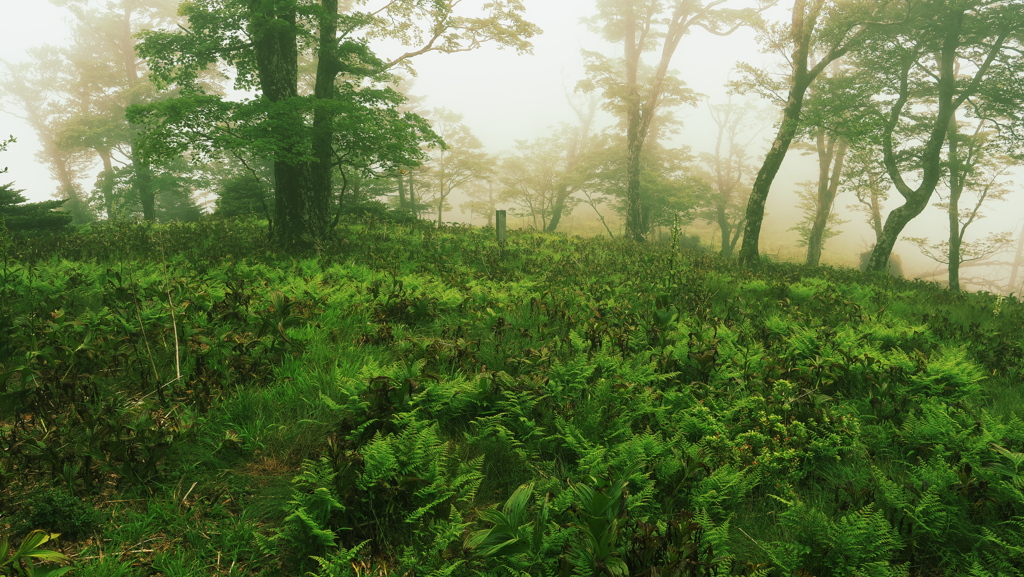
(505, 97)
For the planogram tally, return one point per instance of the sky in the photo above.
(505, 97)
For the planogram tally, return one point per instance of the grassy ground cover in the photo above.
(180, 400)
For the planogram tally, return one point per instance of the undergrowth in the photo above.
(412, 400)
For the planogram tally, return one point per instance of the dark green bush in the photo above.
(58, 511)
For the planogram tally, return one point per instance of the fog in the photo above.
(506, 97)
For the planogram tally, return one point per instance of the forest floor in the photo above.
(182, 400)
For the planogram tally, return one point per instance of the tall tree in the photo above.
(828, 28)
(831, 120)
(111, 78)
(264, 41)
(946, 54)
(638, 91)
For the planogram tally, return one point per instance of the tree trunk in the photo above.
(891, 230)
(1017, 260)
(440, 205)
(561, 195)
(635, 228)
(831, 154)
(730, 232)
(142, 183)
(327, 69)
(638, 122)
(491, 203)
(401, 189)
(69, 188)
(876, 215)
(301, 212)
(735, 237)
(412, 197)
(725, 247)
(107, 183)
(956, 190)
(802, 29)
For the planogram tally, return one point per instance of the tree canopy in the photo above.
(345, 116)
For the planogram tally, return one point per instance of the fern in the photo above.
(311, 524)
(339, 563)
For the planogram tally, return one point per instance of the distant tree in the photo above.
(534, 181)
(39, 91)
(541, 177)
(456, 165)
(172, 184)
(865, 175)
(108, 78)
(674, 184)
(577, 140)
(819, 222)
(19, 214)
(818, 199)
(638, 91)
(243, 188)
(483, 199)
(1012, 285)
(730, 169)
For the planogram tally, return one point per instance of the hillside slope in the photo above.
(421, 401)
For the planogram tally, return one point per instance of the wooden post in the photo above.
(499, 225)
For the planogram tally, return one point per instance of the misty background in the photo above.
(505, 97)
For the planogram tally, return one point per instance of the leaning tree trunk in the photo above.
(804, 24)
(558, 207)
(891, 230)
(931, 166)
(749, 252)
